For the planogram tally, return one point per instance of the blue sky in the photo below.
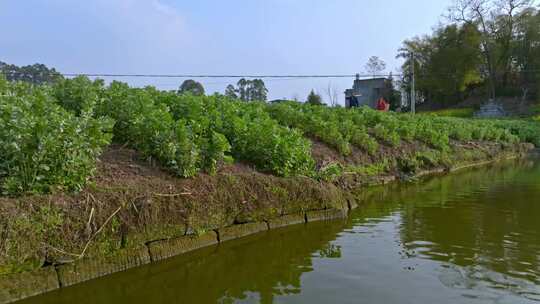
(214, 37)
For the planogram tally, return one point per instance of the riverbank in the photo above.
(97, 178)
(133, 213)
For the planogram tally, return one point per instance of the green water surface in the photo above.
(469, 237)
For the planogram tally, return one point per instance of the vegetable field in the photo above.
(52, 136)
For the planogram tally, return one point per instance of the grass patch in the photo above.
(462, 112)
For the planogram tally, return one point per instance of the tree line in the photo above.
(486, 48)
(248, 90)
(245, 89)
(36, 74)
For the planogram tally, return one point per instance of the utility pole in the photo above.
(413, 92)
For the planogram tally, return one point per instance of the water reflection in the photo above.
(481, 225)
(257, 269)
(469, 237)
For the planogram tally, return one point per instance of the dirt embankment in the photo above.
(131, 203)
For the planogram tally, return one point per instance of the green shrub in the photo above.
(408, 164)
(361, 139)
(387, 135)
(78, 94)
(44, 147)
(433, 158)
(330, 172)
(369, 170)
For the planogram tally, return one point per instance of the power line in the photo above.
(221, 76)
(282, 77)
(267, 77)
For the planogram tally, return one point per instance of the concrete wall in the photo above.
(19, 286)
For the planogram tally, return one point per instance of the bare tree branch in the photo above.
(332, 94)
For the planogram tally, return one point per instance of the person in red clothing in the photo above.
(382, 105)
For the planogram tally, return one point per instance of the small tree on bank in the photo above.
(191, 86)
(314, 99)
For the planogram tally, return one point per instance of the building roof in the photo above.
(372, 79)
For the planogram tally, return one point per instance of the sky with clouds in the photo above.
(214, 37)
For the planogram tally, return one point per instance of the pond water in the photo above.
(469, 237)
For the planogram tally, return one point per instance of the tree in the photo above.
(35, 74)
(251, 90)
(314, 99)
(231, 92)
(476, 13)
(490, 44)
(243, 89)
(526, 52)
(375, 65)
(504, 28)
(496, 21)
(192, 87)
(259, 92)
(447, 63)
(332, 94)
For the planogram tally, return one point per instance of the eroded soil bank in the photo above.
(134, 213)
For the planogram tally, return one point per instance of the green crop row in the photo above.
(51, 136)
(367, 128)
(332, 126)
(189, 134)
